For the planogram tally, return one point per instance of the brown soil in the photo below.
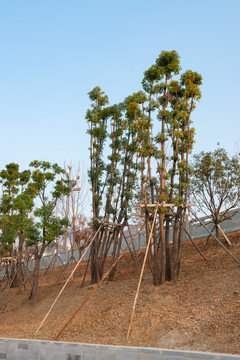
(201, 312)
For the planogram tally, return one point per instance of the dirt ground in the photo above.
(201, 312)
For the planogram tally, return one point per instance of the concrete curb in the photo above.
(11, 349)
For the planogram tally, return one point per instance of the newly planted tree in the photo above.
(47, 226)
(16, 206)
(97, 120)
(112, 174)
(215, 185)
(164, 175)
(183, 96)
(159, 154)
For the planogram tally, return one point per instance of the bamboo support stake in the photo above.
(205, 243)
(6, 303)
(224, 235)
(67, 281)
(134, 249)
(134, 260)
(155, 205)
(164, 205)
(210, 233)
(143, 266)
(95, 288)
(196, 247)
(86, 269)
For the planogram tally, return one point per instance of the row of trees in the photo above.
(139, 153)
(27, 213)
(150, 137)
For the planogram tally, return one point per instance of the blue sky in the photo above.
(54, 52)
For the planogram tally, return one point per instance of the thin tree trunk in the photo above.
(168, 257)
(18, 281)
(33, 294)
(163, 250)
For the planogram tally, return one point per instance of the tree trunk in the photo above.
(18, 280)
(168, 258)
(33, 294)
(1, 297)
(116, 253)
(217, 231)
(95, 275)
(163, 249)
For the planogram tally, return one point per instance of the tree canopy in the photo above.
(27, 217)
(215, 184)
(144, 156)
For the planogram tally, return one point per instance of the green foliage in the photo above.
(129, 155)
(47, 228)
(45, 174)
(215, 181)
(191, 81)
(178, 200)
(20, 192)
(129, 127)
(16, 204)
(43, 179)
(168, 63)
(98, 95)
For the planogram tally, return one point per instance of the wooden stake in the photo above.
(134, 259)
(95, 288)
(164, 205)
(224, 235)
(86, 269)
(205, 243)
(6, 304)
(70, 276)
(196, 247)
(219, 242)
(139, 265)
(143, 266)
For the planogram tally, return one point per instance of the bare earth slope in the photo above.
(202, 312)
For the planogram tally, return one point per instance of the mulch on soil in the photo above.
(201, 312)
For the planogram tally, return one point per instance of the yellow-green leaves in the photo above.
(168, 63)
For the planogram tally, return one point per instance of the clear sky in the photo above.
(53, 52)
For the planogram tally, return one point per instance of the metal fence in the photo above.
(196, 230)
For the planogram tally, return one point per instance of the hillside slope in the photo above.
(201, 312)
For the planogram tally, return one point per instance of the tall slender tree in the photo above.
(16, 206)
(46, 227)
(158, 153)
(215, 185)
(112, 177)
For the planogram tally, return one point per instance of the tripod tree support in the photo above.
(218, 241)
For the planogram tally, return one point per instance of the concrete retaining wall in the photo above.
(11, 349)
